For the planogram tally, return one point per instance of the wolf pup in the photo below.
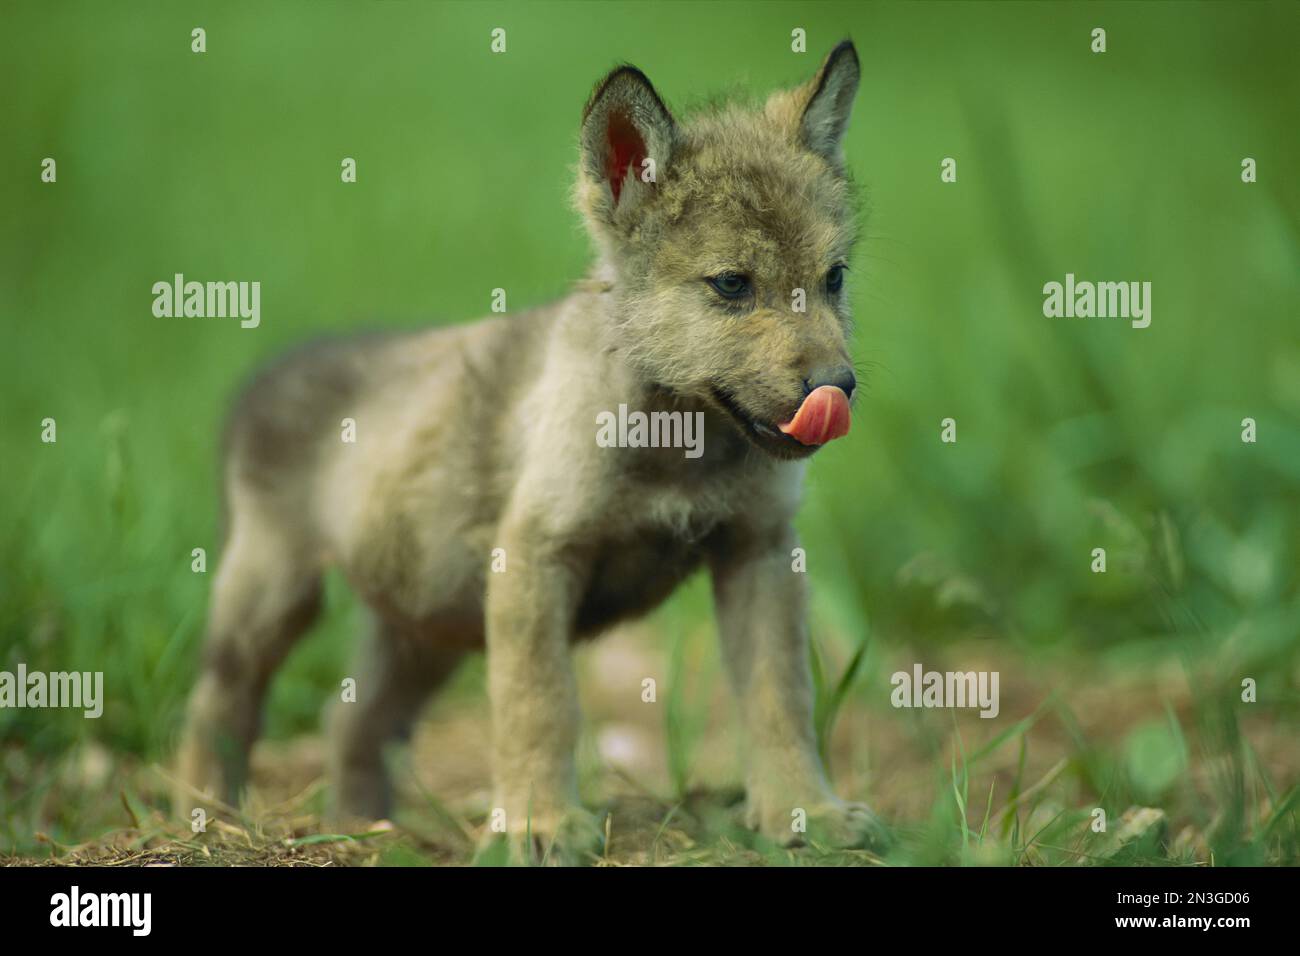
(475, 507)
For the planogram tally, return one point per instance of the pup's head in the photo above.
(728, 235)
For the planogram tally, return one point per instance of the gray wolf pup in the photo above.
(475, 509)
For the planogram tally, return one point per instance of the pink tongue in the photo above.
(824, 415)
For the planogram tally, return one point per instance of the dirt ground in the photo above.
(898, 760)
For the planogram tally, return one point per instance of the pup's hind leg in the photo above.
(395, 672)
(266, 594)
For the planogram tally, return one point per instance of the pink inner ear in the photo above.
(626, 148)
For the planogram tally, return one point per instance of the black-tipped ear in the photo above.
(625, 125)
(826, 117)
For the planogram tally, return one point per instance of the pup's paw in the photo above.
(571, 838)
(833, 823)
(847, 826)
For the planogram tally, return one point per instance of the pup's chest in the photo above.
(632, 574)
(655, 542)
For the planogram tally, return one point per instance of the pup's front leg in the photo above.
(530, 607)
(761, 610)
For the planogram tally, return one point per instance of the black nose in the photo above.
(842, 378)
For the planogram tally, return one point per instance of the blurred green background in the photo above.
(1072, 434)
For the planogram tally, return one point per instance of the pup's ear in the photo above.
(624, 125)
(830, 101)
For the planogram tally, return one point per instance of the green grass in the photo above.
(1073, 434)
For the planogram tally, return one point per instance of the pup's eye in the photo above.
(729, 285)
(835, 279)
